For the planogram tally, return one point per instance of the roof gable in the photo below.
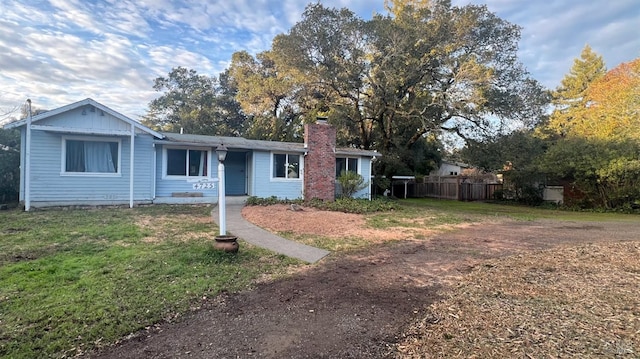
(80, 104)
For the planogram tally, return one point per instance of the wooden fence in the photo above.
(446, 187)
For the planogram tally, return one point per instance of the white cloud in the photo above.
(554, 32)
(164, 58)
(60, 51)
(124, 17)
(72, 14)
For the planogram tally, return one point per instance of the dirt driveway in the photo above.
(352, 306)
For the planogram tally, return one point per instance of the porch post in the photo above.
(131, 162)
(27, 159)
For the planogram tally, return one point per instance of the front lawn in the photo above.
(75, 280)
(71, 280)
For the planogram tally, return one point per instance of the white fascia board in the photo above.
(84, 131)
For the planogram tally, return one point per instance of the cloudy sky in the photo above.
(60, 51)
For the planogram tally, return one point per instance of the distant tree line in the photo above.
(590, 141)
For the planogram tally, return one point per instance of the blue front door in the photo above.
(235, 167)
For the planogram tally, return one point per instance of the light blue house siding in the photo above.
(144, 157)
(173, 187)
(74, 127)
(51, 186)
(364, 168)
(265, 185)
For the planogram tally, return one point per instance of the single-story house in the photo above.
(85, 153)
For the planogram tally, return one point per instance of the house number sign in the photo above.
(204, 183)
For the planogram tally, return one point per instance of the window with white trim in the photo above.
(344, 164)
(286, 165)
(186, 162)
(91, 156)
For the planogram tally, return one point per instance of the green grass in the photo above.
(73, 279)
(410, 216)
(483, 210)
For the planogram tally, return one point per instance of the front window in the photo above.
(286, 165)
(88, 156)
(344, 164)
(183, 162)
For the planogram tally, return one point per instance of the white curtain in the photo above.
(202, 159)
(97, 157)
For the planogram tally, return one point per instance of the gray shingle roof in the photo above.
(240, 143)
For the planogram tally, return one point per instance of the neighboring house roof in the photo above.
(85, 102)
(241, 143)
(454, 163)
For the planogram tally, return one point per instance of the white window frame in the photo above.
(347, 158)
(63, 157)
(286, 179)
(180, 177)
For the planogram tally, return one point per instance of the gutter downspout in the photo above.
(131, 162)
(27, 165)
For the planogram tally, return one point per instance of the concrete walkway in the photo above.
(239, 227)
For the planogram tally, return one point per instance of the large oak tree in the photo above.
(266, 95)
(195, 103)
(427, 68)
(393, 83)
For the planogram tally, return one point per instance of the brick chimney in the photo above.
(320, 161)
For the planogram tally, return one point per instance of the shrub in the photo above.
(347, 205)
(9, 165)
(350, 183)
(259, 201)
(355, 205)
(381, 185)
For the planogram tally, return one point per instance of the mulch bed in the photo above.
(580, 301)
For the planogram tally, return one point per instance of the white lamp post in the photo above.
(223, 242)
(221, 151)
